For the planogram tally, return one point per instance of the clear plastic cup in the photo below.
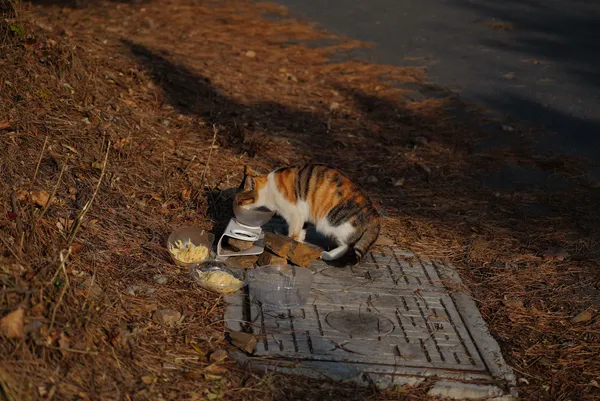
(280, 286)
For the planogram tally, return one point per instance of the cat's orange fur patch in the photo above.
(285, 184)
(260, 182)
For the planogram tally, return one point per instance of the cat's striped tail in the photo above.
(366, 240)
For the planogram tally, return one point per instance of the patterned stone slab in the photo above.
(395, 319)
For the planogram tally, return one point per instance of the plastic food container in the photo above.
(280, 286)
(196, 236)
(209, 275)
(251, 217)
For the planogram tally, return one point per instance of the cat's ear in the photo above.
(247, 183)
(246, 198)
(249, 172)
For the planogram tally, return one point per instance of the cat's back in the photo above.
(328, 191)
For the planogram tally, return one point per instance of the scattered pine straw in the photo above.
(148, 85)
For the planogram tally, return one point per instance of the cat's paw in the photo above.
(326, 256)
(301, 236)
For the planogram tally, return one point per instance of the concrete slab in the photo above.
(395, 319)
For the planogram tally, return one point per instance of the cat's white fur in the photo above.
(298, 214)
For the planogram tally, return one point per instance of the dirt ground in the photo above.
(122, 121)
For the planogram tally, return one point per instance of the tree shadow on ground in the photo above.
(363, 153)
(194, 94)
(441, 188)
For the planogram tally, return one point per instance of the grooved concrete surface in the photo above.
(395, 319)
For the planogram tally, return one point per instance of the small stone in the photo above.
(424, 167)
(166, 122)
(421, 140)
(239, 245)
(94, 290)
(218, 356)
(167, 317)
(555, 254)
(242, 262)
(33, 327)
(372, 179)
(160, 279)
(268, 258)
(133, 290)
(334, 106)
(244, 341)
(399, 182)
(251, 54)
(581, 317)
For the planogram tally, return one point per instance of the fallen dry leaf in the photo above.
(64, 224)
(218, 356)
(40, 198)
(76, 247)
(215, 368)
(12, 324)
(581, 317)
(64, 342)
(186, 194)
(513, 303)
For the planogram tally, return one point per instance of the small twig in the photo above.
(15, 210)
(209, 156)
(54, 190)
(37, 167)
(11, 250)
(88, 205)
(87, 296)
(63, 262)
(75, 351)
(32, 218)
(165, 181)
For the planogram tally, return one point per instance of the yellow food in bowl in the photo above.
(219, 281)
(188, 252)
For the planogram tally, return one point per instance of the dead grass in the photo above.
(147, 83)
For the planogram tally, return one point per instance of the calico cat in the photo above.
(320, 195)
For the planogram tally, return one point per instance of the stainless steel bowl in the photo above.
(251, 217)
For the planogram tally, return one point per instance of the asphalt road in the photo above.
(541, 63)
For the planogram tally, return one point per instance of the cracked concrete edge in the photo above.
(487, 345)
(465, 391)
(350, 375)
